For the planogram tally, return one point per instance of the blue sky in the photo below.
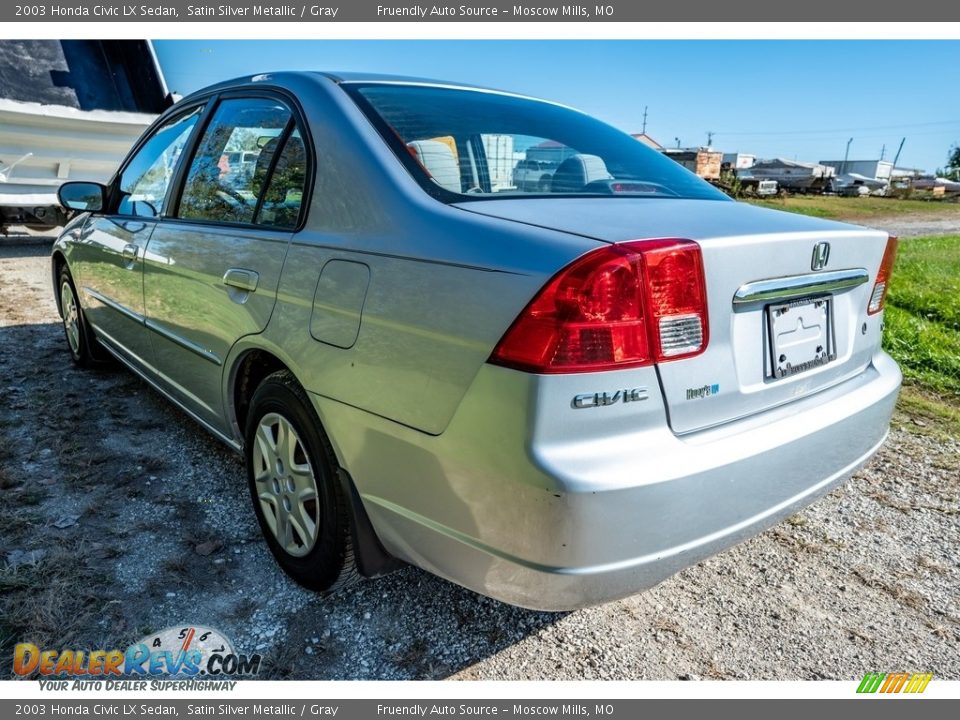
(797, 99)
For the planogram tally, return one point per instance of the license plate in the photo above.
(801, 335)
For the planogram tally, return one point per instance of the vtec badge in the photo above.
(605, 399)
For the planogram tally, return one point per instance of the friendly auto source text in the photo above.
(423, 11)
(515, 710)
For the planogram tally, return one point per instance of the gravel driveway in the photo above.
(917, 225)
(121, 516)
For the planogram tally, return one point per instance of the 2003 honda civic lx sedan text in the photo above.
(554, 395)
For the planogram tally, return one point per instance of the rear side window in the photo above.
(145, 179)
(281, 202)
(231, 169)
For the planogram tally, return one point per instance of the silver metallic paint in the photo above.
(488, 476)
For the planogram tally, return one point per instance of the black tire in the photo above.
(329, 564)
(85, 349)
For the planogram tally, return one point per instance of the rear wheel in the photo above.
(291, 473)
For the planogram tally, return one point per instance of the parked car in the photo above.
(554, 398)
(756, 186)
(533, 175)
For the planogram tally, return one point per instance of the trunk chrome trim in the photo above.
(797, 286)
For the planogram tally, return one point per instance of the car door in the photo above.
(212, 267)
(109, 257)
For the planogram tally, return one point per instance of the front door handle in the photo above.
(246, 280)
(130, 253)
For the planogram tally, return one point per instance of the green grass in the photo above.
(923, 313)
(846, 208)
(938, 418)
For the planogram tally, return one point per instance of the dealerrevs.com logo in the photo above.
(185, 653)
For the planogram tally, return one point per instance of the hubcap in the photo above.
(286, 485)
(71, 319)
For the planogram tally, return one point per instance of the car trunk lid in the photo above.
(787, 297)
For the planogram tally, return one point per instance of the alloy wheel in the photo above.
(286, 485)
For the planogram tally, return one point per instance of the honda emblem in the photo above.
(821, 254)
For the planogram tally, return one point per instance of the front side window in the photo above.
(465, 144)
(233, 161)
(146, 178)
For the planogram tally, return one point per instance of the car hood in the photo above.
(619, 219)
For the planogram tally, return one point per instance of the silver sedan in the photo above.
(553, 393)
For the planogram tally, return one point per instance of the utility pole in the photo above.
(897, 156)
(644, 131)
(845, 156)
(883, 151)
(710, 134)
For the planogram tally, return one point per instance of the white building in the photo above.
(876, 169)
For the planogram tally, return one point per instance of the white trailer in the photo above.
(738, 161)
(42, 146)
(875, 169)
(69, 110)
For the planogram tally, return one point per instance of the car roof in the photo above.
(288, 77)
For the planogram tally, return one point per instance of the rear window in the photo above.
(472, 145)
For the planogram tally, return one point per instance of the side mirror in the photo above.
(82, 196)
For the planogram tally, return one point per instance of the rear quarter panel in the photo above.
(444, 284)
(427, 324)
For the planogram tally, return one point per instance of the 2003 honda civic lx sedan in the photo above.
(554, 395)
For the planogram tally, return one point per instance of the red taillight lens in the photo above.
(879, 295)
(619, 306)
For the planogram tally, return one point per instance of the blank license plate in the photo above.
(801, 336)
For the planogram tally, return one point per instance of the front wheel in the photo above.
(84, 348)
(291, 472)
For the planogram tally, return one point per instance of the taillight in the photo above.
(882, 284)
(619, 306)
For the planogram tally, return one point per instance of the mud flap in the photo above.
(371, 557)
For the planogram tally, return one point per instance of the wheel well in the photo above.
(58, 262)
(253, 368)
(372, 559)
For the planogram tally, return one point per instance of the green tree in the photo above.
(952, 170)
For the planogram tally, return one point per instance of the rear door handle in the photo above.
(130, 253)
(246, 280)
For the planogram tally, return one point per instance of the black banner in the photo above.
(738, 11)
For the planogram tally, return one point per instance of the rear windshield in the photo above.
(472, 145)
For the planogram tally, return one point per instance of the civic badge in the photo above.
(821, 254)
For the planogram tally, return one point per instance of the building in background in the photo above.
(648, 141)
(704, 161)
(875, 169)
(738, 161)
(795, 176)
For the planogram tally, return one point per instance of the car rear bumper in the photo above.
(572, 524)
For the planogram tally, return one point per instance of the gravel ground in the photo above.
(907, 226)
(109, 491)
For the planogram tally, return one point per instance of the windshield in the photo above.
(469, 144)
